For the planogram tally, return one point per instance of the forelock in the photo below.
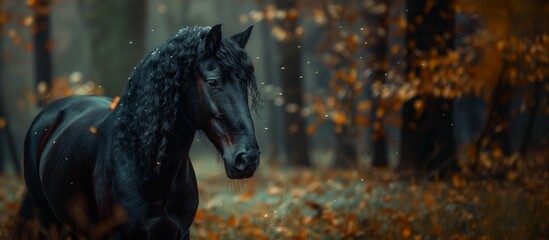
(235, 61)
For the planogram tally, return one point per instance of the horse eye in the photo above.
(212, 84)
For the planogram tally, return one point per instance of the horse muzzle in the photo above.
(243, 164)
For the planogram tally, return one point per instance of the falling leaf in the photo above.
(406, 232)
(339, 118)
(32, 3)
(497, 153)
(363, 121)
(319, 17)
(376, 125)
(114, 102)
(311, 129)
(380, 112)
(419, 105)
(458, 181)
(292, 14)
(243, 19)
(280, 34)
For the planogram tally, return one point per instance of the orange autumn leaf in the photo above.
(352, 77)
(351, 224)
(245, 222)
(93, 130)
(232, 222)
(213, 236)
(436, 229)
(419, 105)
(497, 153)
(380, 112)
(292, 14)
(247, 195)
(377, 125)
(199, 216)
(395, 49)
(364, 105)
(311, 129)
(342, 75)
(12, 205)
(114, 102)
(362, 121)
(458, 181)
(352, 42)
(32, 3)
(3, 123)
(339, 118)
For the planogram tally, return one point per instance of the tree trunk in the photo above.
(538, 87)
(42, 45)
(6, 135)
(495, 135)
(379, 141)
(498, 127)
(379, 148)
(427, 138)
(427, 143)
(117, 39)
(346, 152)
(2, 114)
(290, 65)
(276, 128)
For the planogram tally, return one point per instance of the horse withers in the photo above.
(98, 168)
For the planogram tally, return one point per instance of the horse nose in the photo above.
(247, 161)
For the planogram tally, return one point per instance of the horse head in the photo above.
(224, 83)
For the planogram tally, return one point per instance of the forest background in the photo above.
(429, 117)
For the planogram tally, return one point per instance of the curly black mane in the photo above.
(149, 107)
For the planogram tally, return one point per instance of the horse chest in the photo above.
(161, 210)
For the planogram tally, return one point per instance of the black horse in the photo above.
(87, 157)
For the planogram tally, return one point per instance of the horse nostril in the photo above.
(240, 161)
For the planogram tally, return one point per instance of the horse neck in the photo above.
(178, 147)
(175, 162)
(175, 166)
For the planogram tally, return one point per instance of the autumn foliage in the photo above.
(500, 59)
(362, 47)
(306, 204)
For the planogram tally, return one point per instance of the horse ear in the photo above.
(213, 40)
(242, 38)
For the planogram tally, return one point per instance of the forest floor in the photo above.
(279, 203)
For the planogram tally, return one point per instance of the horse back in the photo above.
(60, 152)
